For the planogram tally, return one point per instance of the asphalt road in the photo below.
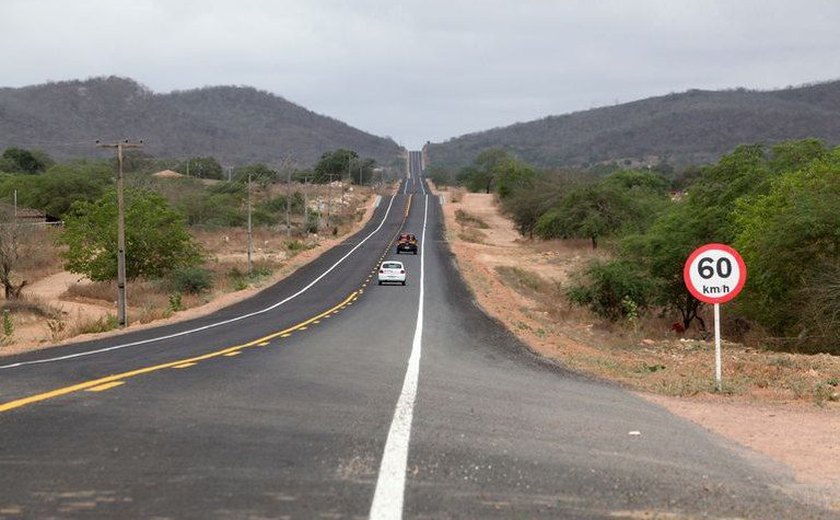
(353, 400)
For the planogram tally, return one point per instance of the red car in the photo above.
(407, 243)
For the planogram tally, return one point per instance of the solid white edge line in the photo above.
(212, 325)
(390, 484)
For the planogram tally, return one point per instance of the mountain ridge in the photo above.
(235, 124)
(693, 127)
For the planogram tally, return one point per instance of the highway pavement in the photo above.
(329, 396)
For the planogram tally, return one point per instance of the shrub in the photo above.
(295, 246)
(468, 219)
(191, 280)
(103, 324)
(8, 325)
(176, 302)
(612, 290)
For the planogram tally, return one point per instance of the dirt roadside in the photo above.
(797, 433)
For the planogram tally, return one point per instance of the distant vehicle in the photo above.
(407, 242)
(391, 271)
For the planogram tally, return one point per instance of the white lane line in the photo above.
(211, 325)
(390, 485)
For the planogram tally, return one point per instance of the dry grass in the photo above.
(40, 254)
(472, 235)
(29, 305)
(93, 291)
(457, 194)
(470, 220)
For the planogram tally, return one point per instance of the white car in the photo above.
(391, 271)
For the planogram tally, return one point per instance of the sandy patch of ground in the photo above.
(775, 423)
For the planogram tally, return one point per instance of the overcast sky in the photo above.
(430, 69)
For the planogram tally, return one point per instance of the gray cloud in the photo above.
(418, 70)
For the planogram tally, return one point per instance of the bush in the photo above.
(156, 237)
(612, 290)
(295, 246)
(191, 280)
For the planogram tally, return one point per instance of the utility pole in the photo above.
(122, 319)
(250, 237)
(288, 201)
(305, 207)
(329, 200)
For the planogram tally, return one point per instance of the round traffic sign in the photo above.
(715, 273)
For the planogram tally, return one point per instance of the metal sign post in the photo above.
(715, 273)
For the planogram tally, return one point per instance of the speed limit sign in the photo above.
(715, 273)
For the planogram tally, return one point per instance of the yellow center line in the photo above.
(58, 392)
(107, 386)
(185, 365)
(231, 354)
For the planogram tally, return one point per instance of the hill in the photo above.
(693, 127)
(237, 125)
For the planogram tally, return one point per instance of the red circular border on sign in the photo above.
(742, 267)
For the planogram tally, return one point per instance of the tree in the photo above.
(203, 167)
(488, 166)
(259, 173)
(362, 171)
(790, 238)
(661, 251)
(440, 175)
(13, 251)
(526, 206)
(56, 190)
(25, 161)
(704, 216)
(612, 290)
(790, 155)
(137, 161)
(334, 165)
(156, 237)
(622, 202)
(513, 176)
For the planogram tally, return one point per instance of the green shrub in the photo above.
(103, 324)
(8, 325)
(295, 246)
(613, 290)
(175, 302)
(191, 280)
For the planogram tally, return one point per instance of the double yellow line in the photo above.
(112, 381)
